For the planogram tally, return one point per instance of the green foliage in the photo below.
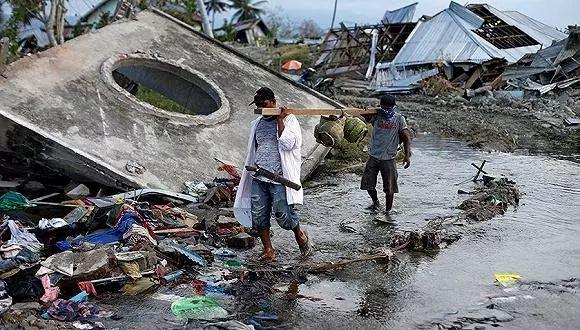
(190, 6)
(246, 9)
(104, 20)
(10, 31)
(160, 101)
(143, 4)
(24, 10)
(229, 33)
(216, 6)
(299, 53)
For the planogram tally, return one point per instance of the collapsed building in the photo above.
(470, 46)
(465, 42)
(549, 68)
(352, 49)
(74, 111)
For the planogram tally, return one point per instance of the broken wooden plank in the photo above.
(473, 78)
(9, 184)
(316, 112)
(57, 204)
(41, 198)
(175, 230)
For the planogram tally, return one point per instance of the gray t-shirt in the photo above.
(267, 153)
(386, 135)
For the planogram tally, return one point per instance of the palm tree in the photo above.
(246, 9)
(216, 6)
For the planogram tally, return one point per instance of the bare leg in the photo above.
(389, 201)
(374, 198)
(268, 254)
(299, 235)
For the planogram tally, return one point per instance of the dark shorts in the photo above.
(388, 169)
(270, 199)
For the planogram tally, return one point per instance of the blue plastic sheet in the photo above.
(113, 235)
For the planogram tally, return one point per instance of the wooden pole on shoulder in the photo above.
(316, 112)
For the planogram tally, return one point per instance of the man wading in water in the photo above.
(274, 145)
(389, 128)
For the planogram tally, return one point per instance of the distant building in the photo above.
(90, 12)
(250, 31)
(86, 14)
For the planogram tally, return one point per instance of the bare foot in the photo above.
(267, 256)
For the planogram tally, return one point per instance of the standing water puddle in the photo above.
(538, 240)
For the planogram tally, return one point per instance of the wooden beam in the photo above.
(316, 112)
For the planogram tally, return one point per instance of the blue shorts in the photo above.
(267, 199)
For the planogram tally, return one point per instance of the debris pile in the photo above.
(67, 254)
(490, 200)
(487, 201)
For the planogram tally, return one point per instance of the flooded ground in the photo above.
(538, 240)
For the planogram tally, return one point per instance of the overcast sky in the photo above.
(557, 13)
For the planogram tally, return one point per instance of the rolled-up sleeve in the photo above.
(291, 137)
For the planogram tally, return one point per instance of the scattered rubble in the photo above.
(487, 201)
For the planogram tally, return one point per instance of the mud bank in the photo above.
(532, 125)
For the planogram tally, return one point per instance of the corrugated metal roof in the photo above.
(247, 24)
(449, 36)
(541, 32)
(544, 57)
(441, 38)
(34, 29)
(466, 14)
(76, 10)
(401, 15)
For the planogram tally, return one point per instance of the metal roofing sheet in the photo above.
(401, 15)
(440, 39)
(34, 29)
(545, 57)
(78, 9)
(466, 14)
(449, 36)
(542, 33)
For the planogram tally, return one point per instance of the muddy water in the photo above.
(538, 240)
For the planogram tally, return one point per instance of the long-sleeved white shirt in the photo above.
(289, 145)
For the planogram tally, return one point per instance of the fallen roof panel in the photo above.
(73, 102)
(400, 15)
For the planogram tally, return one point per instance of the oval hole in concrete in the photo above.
(166, 86)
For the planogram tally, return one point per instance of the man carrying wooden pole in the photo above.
(389, 128)
(273, 148)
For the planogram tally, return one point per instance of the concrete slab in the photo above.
(64, 106)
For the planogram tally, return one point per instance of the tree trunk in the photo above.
(60, 21)
(206, 27)
(212, 20)
(49, 23)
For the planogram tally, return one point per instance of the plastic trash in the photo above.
(266, 317)
(507, 279)
(13, 201)
(214, 290)
(232, 263)
(80, 297)
(224, 253)
(191, 255)
(198, 307)
(173, 276)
